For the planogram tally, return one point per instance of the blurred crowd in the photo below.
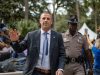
(7, 37)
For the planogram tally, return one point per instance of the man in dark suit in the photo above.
(43, 59)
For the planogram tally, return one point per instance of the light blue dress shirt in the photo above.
(46, 60)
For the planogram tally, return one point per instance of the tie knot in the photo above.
(45, 34)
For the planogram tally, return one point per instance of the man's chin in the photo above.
(45, 28)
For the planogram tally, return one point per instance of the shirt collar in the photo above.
(42, 31)
(68, 33)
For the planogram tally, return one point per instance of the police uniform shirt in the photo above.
(73, 44)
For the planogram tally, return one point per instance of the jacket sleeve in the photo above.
(61, 53)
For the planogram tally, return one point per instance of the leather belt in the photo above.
(42, 71)
(73, 59)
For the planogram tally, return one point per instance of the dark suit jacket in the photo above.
(32, 43)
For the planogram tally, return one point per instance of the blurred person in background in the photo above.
(4, 46)
(14, 34)
(96, 53)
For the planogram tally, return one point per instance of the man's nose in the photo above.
(46, 19)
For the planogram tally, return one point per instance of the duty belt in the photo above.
(74, 59)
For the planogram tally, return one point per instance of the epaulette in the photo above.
(80, 33)
(63, 35)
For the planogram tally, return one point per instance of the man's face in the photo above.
(73, 27)
(46, 21)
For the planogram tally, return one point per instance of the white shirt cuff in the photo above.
(61, 69)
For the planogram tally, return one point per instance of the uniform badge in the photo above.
(65, 39)
(80, 40)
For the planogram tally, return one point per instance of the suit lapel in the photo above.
(38, 35)
(52, 42)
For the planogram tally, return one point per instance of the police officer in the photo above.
(74, 42)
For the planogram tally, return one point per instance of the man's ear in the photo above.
(39, 23)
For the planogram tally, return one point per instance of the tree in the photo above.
(94, 18)
(26, 9)
(11, 10)
(61, 24)
(25, 26)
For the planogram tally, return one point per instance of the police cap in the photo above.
(73, 19)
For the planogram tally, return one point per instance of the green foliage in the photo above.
(94, 18)
(12, 11)
(61, 23)
(25, 26)
(37, 7)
